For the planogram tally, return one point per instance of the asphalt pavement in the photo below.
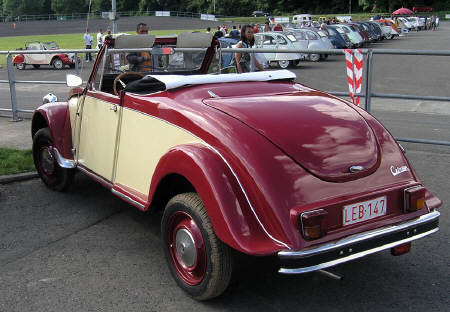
(87, 250)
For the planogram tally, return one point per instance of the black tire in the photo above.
(314, 57)
(284, 64)
(54, 176)
(186, 229)
(36, 66)
(21, 66)
(57, 63)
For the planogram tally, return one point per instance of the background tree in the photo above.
(23, 7)
(69, 6)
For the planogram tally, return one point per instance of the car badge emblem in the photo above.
(354, 169)
(397, 170)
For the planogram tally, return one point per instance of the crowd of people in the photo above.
(235, 32)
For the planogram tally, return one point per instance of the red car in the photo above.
(254, 162)
(57, 60)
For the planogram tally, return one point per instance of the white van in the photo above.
(298, 19)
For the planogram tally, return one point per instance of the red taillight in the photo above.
(401, 249)
(314, 224)
(414, 198)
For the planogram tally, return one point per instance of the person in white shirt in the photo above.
(100, 38)
(88, 44)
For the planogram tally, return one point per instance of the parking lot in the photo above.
(87, 250)
(418, 75)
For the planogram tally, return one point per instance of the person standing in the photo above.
(246, 62)
(100, 38)
(88, 45)
(141, 61)
(234, 33)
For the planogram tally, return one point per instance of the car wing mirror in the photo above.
(73, 80)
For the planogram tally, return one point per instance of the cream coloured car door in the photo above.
(97, 125)
(36, 59)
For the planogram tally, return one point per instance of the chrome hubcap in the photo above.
(47, 161)
(186, 249)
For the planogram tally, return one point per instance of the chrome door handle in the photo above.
(113, 108)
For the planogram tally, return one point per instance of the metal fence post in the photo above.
(12, 87)
(77, 71)
(369, 73)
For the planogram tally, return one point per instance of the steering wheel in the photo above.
(122, 84)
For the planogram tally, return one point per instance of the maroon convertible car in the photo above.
(252, 162)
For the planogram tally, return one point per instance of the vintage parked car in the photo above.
(57, 60)
(389, 29)
(313, 41)
(355, 38)
(338, 38)
(278, 40)
(253, 162)
(417, 22)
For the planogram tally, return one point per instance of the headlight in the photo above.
(49, 98)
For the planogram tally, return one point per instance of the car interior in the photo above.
(114, 72)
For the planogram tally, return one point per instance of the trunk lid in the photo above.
(324, 135)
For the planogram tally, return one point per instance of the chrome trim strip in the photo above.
(63, 162)
(127, 198)
(360, 237)
(94, 176)
(232, 171)
(355, 256)
(212, 94)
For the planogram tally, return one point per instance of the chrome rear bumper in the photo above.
(357, 246)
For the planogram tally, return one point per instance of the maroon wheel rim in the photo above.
(47, 162)
(186, 248)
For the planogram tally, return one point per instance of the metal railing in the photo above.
(367, 94)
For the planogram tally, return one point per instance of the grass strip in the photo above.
(64, 41)
(14, 161)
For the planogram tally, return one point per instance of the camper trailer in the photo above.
(298, 19)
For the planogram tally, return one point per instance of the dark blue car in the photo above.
(339, 40)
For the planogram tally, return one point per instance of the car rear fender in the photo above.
(64, 58)
(19, 59)
(56, 117)
(233, 220)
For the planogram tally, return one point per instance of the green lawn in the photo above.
(65, 41)
(15, 161)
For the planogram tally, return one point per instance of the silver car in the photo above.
(280, 41)
(313, 41)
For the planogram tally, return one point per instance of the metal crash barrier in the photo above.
(368, 75)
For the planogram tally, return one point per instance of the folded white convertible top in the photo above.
(176, 81)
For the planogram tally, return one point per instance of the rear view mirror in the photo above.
(73, 80)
